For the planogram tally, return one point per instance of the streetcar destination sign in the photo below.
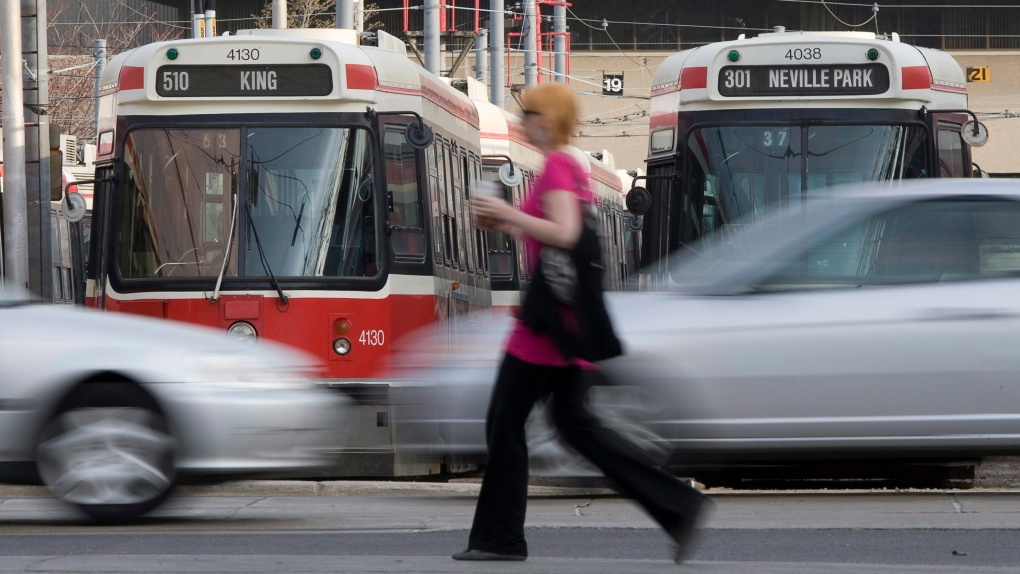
(244, 81)
(806, 80)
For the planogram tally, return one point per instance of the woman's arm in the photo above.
(561, 226)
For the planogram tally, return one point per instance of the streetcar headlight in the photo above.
(243, 331)
(342, 346)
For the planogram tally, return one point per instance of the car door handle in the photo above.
(963, 314)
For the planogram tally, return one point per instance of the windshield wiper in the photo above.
(262, 255)
(230, 234)
(297, 224)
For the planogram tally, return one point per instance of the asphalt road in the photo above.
(817, 532)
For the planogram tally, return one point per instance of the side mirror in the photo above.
(73, 207)
(639, 201)
(974, 133)
(510, 175)
(635, 223)
(418, 135)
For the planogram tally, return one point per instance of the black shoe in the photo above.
(483, 555)
(686, 534)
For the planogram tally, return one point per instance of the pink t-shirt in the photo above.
(561, 172)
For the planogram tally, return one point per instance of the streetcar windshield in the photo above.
(746, 171)
(291, 201)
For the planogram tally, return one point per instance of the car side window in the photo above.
(922, 242)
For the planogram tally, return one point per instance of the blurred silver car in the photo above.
(110, 410)
(881, 324)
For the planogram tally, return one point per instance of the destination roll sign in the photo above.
(806, 80)
(244, 81)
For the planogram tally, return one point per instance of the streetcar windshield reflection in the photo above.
(751, 170)
(305, 203)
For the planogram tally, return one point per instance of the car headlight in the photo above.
(244, 371)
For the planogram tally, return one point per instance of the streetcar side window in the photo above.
(446, 204)
(405, 219)
(500, 253)
(435, 195)
(950, 151)
(480, 244)
(460, 165)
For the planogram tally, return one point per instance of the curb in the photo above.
(331, 488)
(342, 488)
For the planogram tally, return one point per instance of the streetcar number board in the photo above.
(244, 81)
(804, 80)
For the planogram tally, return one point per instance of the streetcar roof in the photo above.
(917, 76)
(361, 75)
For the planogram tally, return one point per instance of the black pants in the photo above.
(499, 517)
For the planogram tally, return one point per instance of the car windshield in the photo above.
(858, 242)
(291, 201)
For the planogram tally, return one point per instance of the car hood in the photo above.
(169, 339)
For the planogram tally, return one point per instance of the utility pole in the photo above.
(35, 86)
(432, 36)
(279, 14)
(481, 45)
(345, 14)
(100, 64)
(530, 53)
(496, 38)
(15, 224)
(359, 15)
(560, 42)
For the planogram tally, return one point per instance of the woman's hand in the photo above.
(492, 209)
(561, 226)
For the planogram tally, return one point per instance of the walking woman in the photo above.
(535, 367)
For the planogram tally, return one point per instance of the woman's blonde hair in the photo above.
(557, 104)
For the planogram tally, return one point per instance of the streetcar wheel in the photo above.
(108, 452)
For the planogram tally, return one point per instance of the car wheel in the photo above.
(108, 451)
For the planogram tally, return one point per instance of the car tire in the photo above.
(108, 451)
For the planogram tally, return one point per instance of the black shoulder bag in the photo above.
(573, 278)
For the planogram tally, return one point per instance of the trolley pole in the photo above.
(15, 223)
(345, 14)
(197, 19)
(432, 36)
(560, 43)
(481, 65)
(279, 14)
(497, 36)
(35, 86)
(100, 64)
(210, 18)
(530, 50)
